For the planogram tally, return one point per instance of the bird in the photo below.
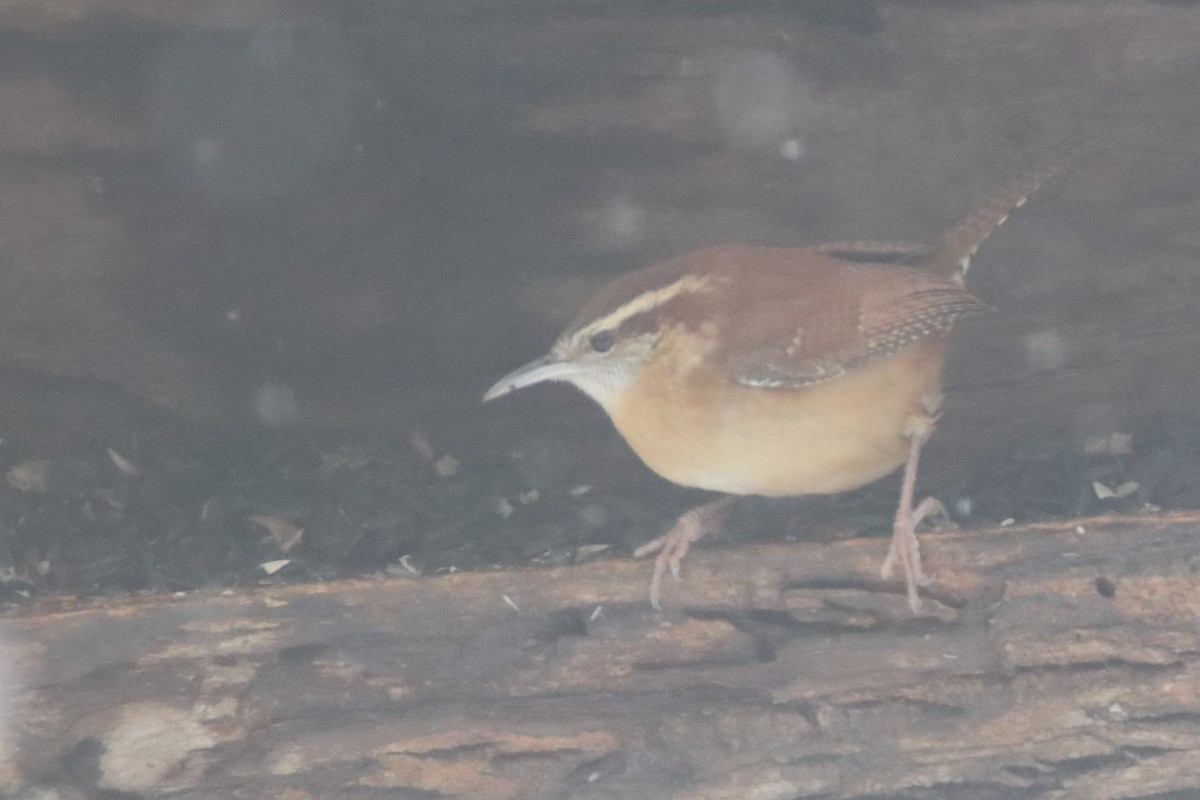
(748, 369)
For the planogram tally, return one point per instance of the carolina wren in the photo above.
(778, 371)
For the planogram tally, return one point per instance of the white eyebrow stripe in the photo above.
(648, 301)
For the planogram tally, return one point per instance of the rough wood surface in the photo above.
(1054, 661)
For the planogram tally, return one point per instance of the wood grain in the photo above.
(1055, 661)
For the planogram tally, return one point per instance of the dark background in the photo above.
(263, 259)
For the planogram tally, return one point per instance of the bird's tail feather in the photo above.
(951, 254)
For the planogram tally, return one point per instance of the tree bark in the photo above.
(1052, 661)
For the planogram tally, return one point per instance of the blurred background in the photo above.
(232, 233)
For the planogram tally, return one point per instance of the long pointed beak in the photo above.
(546, 368)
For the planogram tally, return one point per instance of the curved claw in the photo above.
(673, 545)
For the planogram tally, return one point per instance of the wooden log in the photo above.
(1053, 661)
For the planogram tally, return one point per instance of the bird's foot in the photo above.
(906, 550)
(673, 545)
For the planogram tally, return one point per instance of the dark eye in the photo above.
(602, 342)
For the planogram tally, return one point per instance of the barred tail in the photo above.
(951, 254)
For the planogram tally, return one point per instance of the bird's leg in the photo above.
(905, 548)
(673, 545)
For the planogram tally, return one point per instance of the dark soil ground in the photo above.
(104, 494)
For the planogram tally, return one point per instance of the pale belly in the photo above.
(829, 437)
